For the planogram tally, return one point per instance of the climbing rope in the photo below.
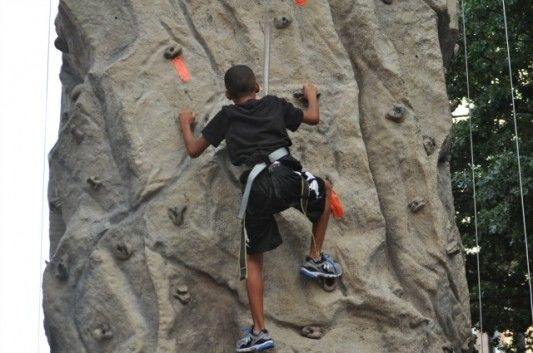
(473, 180)
(518, 159)
(266, 62)
(43, 179)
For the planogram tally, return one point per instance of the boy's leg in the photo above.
(320, 226)
(254, 288)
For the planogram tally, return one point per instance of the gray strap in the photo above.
(258, 168)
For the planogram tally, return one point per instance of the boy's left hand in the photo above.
(186, 118)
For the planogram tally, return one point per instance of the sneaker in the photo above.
(251, 342)
(323, 268)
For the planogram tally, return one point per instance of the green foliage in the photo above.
(504, 285)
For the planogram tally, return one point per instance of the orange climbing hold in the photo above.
(181, 68)
(300, 3)
(335, 205)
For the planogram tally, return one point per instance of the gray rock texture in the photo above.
(144, 240)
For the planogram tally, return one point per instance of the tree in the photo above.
(504, 284)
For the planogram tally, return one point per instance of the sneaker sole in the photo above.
(310, 274)
(258, 348)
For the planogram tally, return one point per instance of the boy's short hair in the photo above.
(240, 81)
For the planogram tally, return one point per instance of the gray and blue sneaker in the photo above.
(251, 342)
(325, 267)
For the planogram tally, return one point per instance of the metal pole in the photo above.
(268, 31)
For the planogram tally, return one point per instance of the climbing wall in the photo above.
(144, 240)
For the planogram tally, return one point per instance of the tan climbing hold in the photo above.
(416, 205)
(313, 332)
(397, 113)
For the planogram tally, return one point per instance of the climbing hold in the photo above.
(172, 51)
(300, 3)
(388, 2)
(76, 92)
(328, 284)
(122, 250)
(282, 22)
(176, 214)
(55, 205)
(418, 322)
(61, 45)
(313, 332)
(181, 292)
(94, 182)
(397, 114)
(429, 144)
(59, 265)
(181, 68)
(416, 205)
(77, 134)
(300, 96)
(102, 333)
(452, 248)
(398, 291)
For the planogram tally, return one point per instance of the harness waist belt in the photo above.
(258, 168)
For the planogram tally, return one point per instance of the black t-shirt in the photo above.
(253, 129)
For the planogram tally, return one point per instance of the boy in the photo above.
(256, 136)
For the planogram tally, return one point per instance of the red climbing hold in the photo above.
(300, 3)
(181, 68)
(335, 205)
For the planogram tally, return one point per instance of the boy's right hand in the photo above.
(309, 90)
(186, 118)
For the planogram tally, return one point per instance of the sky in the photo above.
(29, 121)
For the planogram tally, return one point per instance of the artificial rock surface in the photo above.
(144, 240)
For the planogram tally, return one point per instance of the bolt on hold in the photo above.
(94, 182)
(77, 134)
(122, 250)
(102, 333)
(313, 332)
(181, 292)
(429, 144)
(176, 214)
(59, 266)
(416, 205)
(61, 45)
(397, 113)
(282, 22)
(388, 2)
(172, 51)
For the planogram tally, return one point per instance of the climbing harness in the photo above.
(258, 168)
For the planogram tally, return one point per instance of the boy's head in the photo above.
(240, 82)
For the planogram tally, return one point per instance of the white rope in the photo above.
(268, 30)
(473, 180)
(43, 192)
(518, 159)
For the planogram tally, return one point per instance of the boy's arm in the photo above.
(311, 114)
(194, 147)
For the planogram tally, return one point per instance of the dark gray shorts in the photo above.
(274, 190)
